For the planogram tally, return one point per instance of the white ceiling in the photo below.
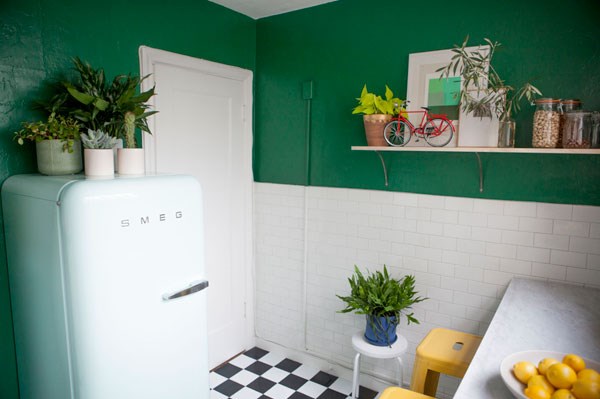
(264, 8)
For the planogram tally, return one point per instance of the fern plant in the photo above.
(380, 295)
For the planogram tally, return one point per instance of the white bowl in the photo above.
(515, 386)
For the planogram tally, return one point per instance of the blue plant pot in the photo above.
(380, 332)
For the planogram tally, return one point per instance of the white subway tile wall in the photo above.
(462, 251)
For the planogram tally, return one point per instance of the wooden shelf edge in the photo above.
(563, 151)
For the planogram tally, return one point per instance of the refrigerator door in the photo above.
(127, 243)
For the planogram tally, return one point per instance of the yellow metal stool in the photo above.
(442, 351)
(399, 393)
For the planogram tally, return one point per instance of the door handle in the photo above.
(194, 287)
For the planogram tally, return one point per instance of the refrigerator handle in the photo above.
(196, 286)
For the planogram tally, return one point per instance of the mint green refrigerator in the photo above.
(107, 284)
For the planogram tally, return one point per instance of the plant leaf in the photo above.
(79, 96)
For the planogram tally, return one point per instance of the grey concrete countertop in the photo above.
(533, 315)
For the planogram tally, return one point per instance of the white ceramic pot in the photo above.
(99, 162)
(130, 161)
(52, 160)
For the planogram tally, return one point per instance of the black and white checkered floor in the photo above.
(258, 374)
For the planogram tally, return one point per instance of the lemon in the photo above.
(561, 376)
(524, 371)
(537, 392)
(541, 381)
(574, 361)
(588, 374)
(545, 363)
(586, 389)
(562, 394)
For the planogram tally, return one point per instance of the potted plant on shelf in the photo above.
(113, 107)
(377, 113)
(483, 92)
(57, 144)
(98, 153)
(383, 300)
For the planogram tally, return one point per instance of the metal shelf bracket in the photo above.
(385, 175)
(480, 172)
(476, 150)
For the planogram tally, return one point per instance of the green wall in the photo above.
(339, 46)
(342, 45)
(38, 39)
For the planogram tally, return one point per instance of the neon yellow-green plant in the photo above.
(370, 103)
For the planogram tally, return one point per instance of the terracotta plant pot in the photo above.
(53, 161)
(374, 125)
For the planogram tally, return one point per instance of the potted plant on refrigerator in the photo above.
(129, 112)
(57, 144)
(483, 92)
(113, 107)
(378, 112)
(98, 153)
(383, 300)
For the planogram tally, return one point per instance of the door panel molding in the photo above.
(150, 58)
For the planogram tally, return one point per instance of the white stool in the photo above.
(363, 347)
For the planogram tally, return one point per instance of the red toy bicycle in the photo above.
(436, 129)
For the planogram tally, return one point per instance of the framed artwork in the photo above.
(442, 96)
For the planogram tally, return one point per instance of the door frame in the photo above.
(149, 58)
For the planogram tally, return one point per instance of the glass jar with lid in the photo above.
(571, 104)
(567, 105)
(577, 129)
(546, 123)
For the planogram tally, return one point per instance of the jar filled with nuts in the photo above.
(572, 104)
(546, 123)
(577, 129)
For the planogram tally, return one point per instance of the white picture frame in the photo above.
(470, 131)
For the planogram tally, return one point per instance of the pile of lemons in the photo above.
(551, 379)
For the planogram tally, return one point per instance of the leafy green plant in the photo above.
(97, 139)
(492, 94)
(378, 294)
(113, 107)
(56, 127)
(370, 103)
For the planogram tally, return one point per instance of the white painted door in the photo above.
(203, 128)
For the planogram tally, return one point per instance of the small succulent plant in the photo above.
(97, 139)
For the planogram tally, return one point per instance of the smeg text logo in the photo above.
(147, 219)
